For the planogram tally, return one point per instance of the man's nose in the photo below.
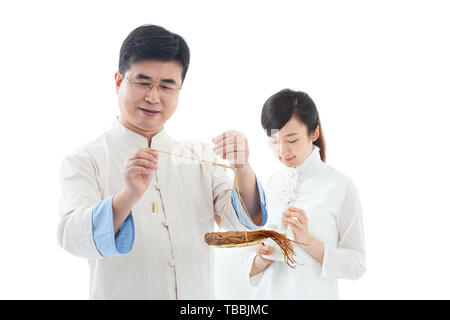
(153, 95)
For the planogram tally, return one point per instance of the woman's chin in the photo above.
(291, 163)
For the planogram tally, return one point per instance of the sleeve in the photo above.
(248, 254)
(79, 230)
(106, 242)
(240, 212)
(347, 260)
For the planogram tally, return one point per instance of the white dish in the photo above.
(273, 257)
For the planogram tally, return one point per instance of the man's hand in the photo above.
(139, 171)
(138, 174)
(232, 146)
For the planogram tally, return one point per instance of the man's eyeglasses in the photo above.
(165, 89)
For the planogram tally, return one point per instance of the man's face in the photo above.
(144, 110)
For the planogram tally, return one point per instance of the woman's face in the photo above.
(292, 144)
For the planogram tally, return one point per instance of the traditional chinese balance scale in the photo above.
(233, 239)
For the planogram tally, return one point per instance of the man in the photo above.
(138, 215)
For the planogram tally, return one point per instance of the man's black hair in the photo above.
(154, 43)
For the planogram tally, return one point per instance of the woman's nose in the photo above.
(284, 149)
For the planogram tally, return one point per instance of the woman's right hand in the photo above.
(263, 249)
(260, 263)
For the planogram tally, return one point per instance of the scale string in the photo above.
(235, 184)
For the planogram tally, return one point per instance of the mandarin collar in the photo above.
(159, 140)
(307, 167)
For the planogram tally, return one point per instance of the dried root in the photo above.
(242, 238)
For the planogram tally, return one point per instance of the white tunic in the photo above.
(331, 202)
(169, 258)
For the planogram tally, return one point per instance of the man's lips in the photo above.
(149, 112)
(289, 159)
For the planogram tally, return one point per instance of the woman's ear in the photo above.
(315, 134)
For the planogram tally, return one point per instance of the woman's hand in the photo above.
(260, 263)
(263, 249)
(298, 221)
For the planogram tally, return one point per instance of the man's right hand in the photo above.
(139, 171)
(138, 174)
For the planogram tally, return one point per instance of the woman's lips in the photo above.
(150, 113)
(289, 159)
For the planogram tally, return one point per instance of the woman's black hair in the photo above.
(285, 104)
(154, 43)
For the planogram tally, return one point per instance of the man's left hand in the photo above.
(232, 146)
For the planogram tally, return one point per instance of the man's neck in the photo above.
(148, 134)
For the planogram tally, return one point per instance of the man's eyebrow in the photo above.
(141, 76)
(171, 81)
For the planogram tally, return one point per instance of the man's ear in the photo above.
(315, 134)
(118, 78)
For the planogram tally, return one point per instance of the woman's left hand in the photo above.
(297, 219)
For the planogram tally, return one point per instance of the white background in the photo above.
(377, 70)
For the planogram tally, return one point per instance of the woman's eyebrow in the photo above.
(291, 134)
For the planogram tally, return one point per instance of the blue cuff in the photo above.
(240, 212)
(107, 244)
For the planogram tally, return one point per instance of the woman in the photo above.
(319, 206)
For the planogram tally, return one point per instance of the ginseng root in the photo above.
(243, 237)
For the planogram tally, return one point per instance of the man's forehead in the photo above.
(154, 69)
